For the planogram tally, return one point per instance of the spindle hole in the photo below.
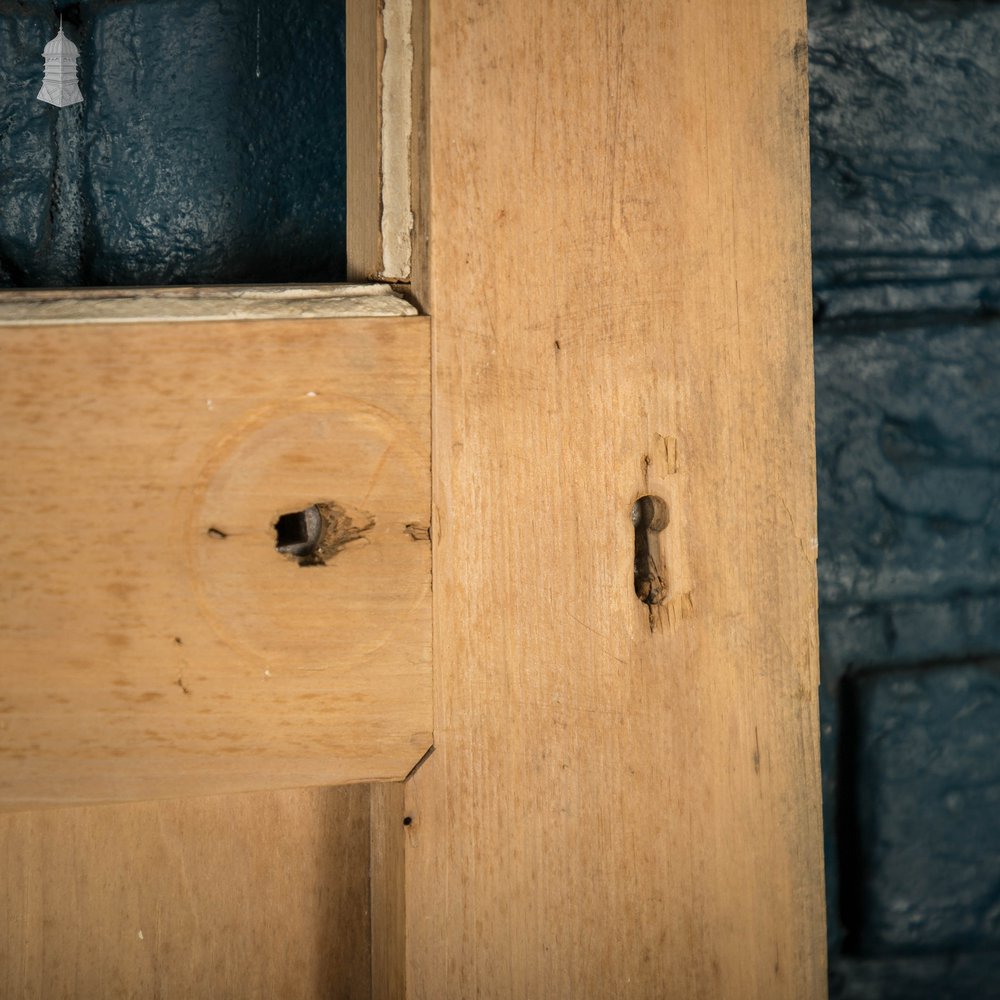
(299, 533)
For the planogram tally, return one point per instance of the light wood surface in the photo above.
(389, 825)
(364, 52)
(396, 87)
(153, 642)
(226, 898)
(621, 802)
(382, 108)
(417, 289)
(48, 307)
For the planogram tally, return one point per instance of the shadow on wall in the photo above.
(209, 147)
(906, 235)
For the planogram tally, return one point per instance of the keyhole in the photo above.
(649, 517)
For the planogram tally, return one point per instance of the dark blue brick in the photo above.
(921, 846)
(949, 976)
(908, 442)
(905, 136)
(898, 633)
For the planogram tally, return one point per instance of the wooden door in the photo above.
(623, 797)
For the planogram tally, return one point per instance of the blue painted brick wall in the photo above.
(209, 148)
(924, 771)
(905, 130)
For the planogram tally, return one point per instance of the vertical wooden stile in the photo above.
(623, 800)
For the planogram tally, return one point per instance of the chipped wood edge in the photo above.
(204, 303)
(396, 131)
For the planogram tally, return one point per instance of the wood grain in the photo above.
(417, 288)
(241, 897)
(620, 802)
(381, 110)
(389, 824)
(153, 642)
(364, 51)
(397, 131)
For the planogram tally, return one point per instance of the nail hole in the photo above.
(650, 516)
(407, 820)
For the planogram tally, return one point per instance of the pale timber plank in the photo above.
(382, 121)
(235, 897)
(364, 54)
(388, 901)
(396, 91)
(153, 642)
(419, 277)
(620, 299)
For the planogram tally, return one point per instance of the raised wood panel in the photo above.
(237, 897)
(153, 642)
(623, 801)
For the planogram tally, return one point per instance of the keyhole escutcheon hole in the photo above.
(649, 517)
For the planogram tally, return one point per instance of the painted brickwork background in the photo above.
(209, 147)
(905, 104)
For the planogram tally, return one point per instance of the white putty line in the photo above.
(397, 126)
(38, 308)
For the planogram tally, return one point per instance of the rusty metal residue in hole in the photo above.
(649, 517)
(312, 537)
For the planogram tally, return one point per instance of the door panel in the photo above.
(153, 639)
(230, 897)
